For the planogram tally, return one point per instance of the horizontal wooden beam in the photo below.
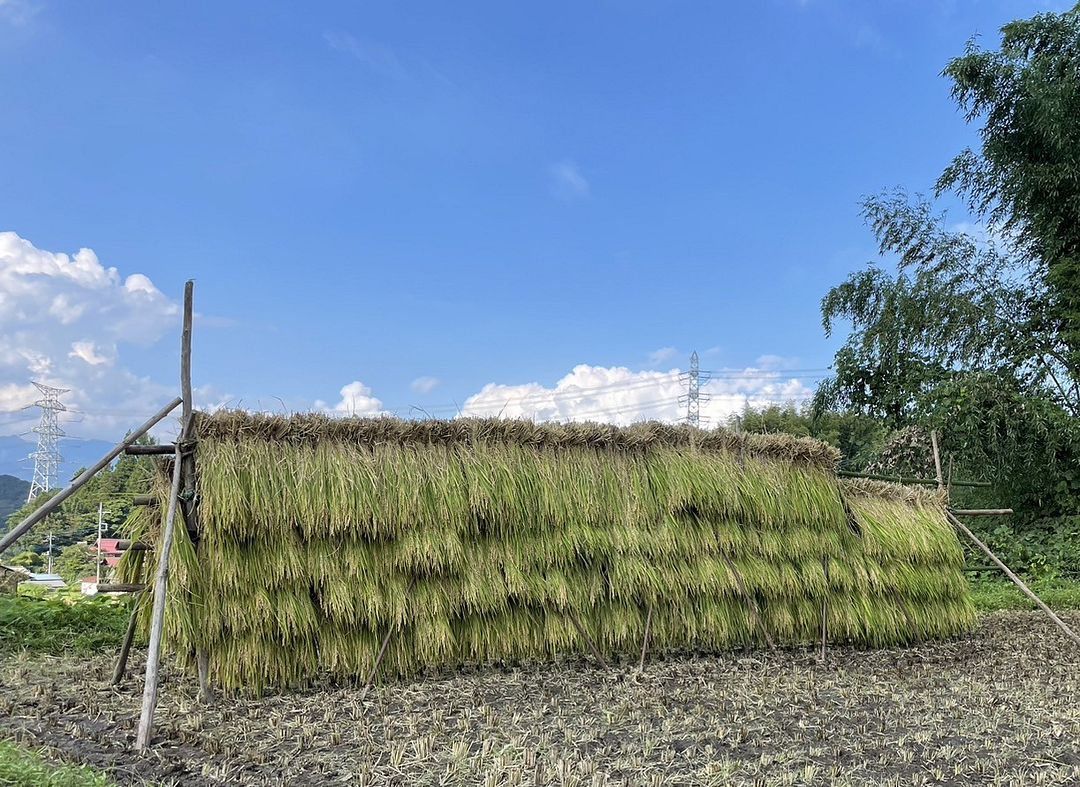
(981, 511)
(896, 479)
(150, 450)
(132, 546)
(144, 500)
(120, 587)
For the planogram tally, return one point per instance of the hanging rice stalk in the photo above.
(483, 540)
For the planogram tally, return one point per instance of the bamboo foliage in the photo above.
(479, 541)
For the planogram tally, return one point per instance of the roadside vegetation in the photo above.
(60, 624)
(23, 767)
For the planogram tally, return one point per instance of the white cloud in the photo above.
(621, 396)
(663, 355)
(425, 385)
(88, 351)
(567, 182)
(356, 400)
(63, 321)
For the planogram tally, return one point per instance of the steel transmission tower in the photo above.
(694, 378)
(47, 456)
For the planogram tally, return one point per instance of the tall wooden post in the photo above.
(164, 547)
(937, 460)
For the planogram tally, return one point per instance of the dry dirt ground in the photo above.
(998, 707)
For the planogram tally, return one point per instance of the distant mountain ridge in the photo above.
(76, 453)
(13, 492)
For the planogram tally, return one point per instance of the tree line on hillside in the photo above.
(74, 526)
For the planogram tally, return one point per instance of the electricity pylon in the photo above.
(694, 398)
(47, 456)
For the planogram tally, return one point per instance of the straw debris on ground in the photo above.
(994, 707)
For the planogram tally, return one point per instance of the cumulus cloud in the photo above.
(424, 385)
(357, 399)
(621, 396)
(567, 182)
(63, 322)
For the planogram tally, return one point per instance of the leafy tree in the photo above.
(28, 559)
(75, 562)
(955, 304)
(1025, 177)
(857, 436)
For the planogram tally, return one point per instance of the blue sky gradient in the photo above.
(477, 192)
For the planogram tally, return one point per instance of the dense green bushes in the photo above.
(60, 625)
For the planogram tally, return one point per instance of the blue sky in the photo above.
(467, 194)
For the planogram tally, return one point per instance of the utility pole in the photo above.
(47, 456)
(100, 527)
(49, 569)
(694, 398)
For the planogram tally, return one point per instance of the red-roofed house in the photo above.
(110, 551)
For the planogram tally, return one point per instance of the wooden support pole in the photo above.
(202, 663)
(755, 611)
(825, 608)
(144, 500)
(120, 587)
(157, 620)
(126, 545)
(1015, 579)
(896, 479)
(981, 511)
(164, 546)
(149, 450)
(937, 460)
(378, 659)
(125, 648)
(585, 636)
(382, 648)
(645, 639)
(54, 502)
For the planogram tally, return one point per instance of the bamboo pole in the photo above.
(585, 636)
(981, 511)
(120, 587)
(164, 546)
(378, 659)
(157, 620)
(755, 612)
(645, 639)
(1016, 580)
(202, 661)
(149, 450)
(189, 505)
(125, 648)
(54, 502)
(937, 460)
(825, 608)
(896, 479)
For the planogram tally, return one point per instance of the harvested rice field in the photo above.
(998, 706)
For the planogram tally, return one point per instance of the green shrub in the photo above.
(993, 596)
(58, 625)
(20, 767)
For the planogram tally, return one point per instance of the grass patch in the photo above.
(20, 767)
(61, 625)
(992, 596)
